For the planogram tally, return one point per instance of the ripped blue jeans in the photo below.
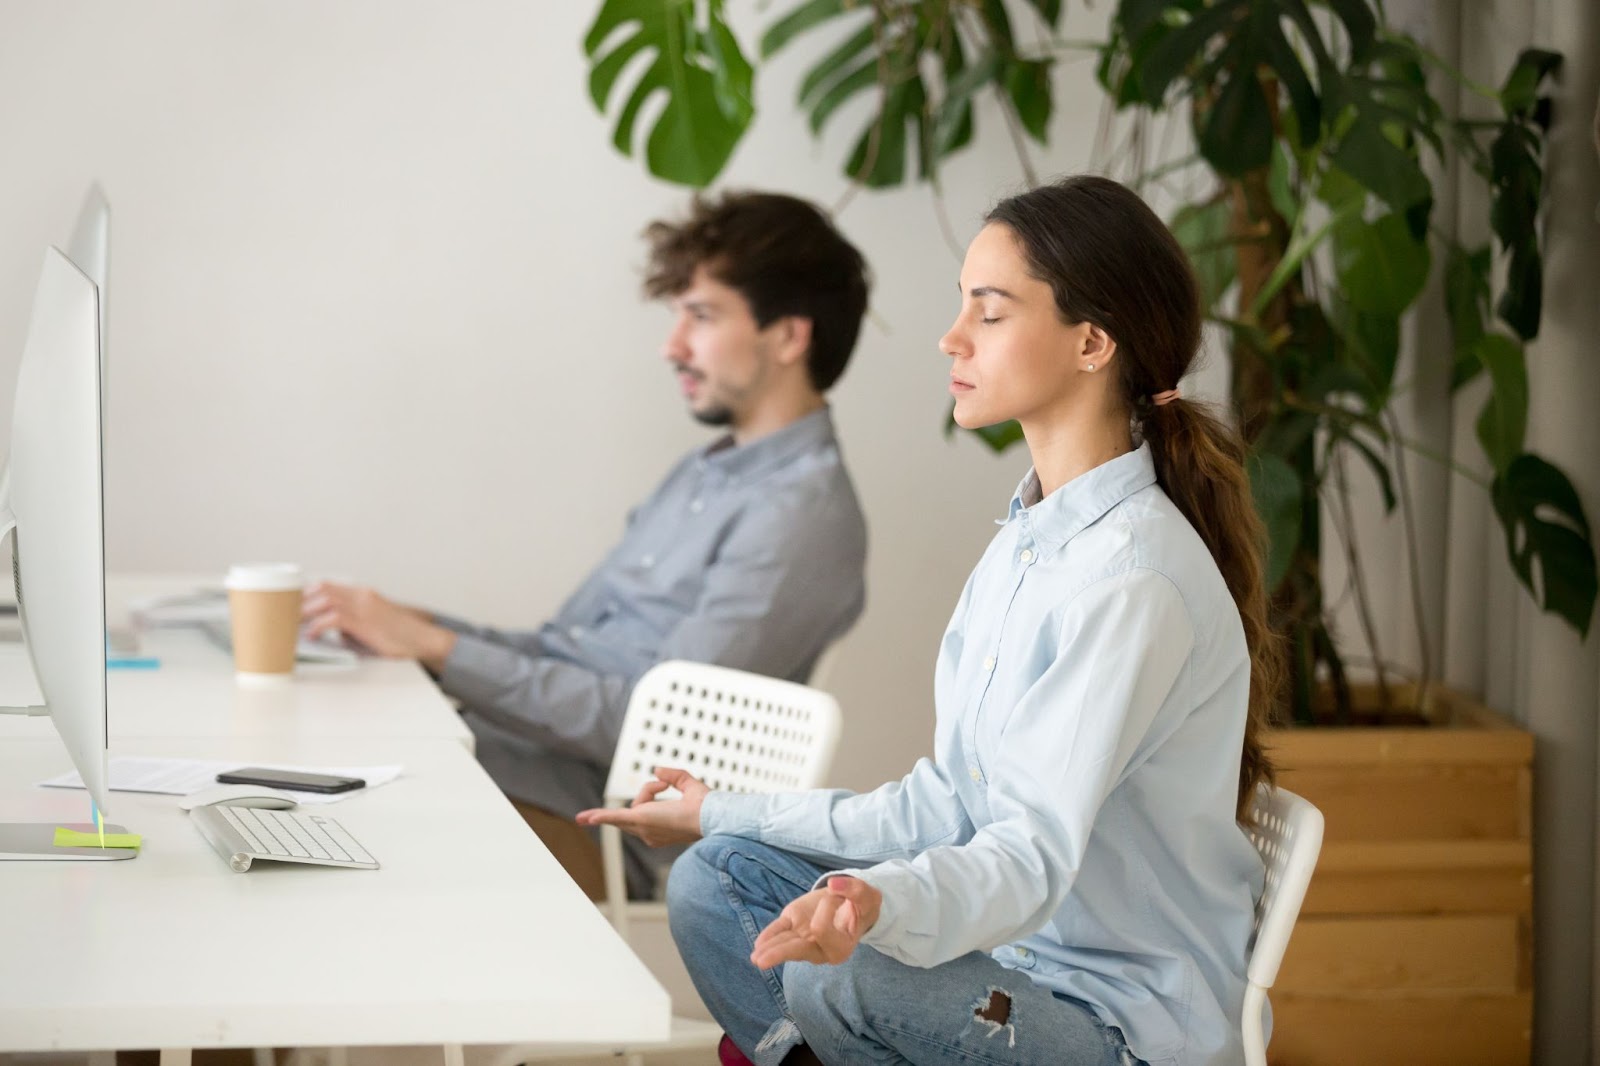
(871, 1009)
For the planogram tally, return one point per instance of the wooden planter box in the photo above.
(1415, 942)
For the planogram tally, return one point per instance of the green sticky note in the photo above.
(71, 838)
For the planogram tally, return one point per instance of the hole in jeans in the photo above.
(994, 1011)
(997, 1011)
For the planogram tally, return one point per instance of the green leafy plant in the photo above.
(695, 61)
(1313, 128)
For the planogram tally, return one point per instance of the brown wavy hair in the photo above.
(1110, 261)
(782, 254)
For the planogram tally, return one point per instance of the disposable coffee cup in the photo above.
(264, 605)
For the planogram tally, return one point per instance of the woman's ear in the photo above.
(1097, 350)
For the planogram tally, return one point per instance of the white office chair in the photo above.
(735, 731)
(1287, 831)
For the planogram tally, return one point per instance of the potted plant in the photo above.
(1316, 126)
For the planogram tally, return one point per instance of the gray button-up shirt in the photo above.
(750, 557)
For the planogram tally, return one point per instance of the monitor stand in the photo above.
(36, 840)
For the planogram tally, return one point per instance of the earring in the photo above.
(1091, 366)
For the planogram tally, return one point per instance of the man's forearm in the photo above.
(568, 708)
(435, 645)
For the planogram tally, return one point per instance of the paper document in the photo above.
(179, 777)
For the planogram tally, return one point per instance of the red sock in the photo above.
(729, 1055)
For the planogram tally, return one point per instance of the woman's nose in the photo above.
(953, 343)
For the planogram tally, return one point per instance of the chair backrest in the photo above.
(1287, 830)
(736, 731)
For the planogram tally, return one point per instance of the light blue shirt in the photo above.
(1077, 819)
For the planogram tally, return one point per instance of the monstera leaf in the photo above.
(695, 61)
(1546, 528)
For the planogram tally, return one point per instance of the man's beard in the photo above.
(715, 415)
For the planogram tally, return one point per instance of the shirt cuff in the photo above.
(477, 670)
(452, 623)
(734, 814)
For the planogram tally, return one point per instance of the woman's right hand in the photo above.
(657, 822)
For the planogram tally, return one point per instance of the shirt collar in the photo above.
(1059, 517)
(747, 462)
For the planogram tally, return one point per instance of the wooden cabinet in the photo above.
(1415, 941)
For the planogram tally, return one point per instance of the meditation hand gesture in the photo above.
(822, 926)
(657, 822)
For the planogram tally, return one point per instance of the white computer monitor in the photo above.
(90, 251)
(53, 505)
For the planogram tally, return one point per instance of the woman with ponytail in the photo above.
(1067, 881)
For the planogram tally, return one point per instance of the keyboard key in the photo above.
(268, 834)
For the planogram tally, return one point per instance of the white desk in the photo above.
(192, 693)
(470, 933)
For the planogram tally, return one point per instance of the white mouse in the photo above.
(238, 796)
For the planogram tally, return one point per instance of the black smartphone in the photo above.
(292, 779)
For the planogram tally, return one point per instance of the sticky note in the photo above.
(71, 838)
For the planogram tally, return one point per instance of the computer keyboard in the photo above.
(243, 834)
(220, 633)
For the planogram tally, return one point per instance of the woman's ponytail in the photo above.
(1200, 466)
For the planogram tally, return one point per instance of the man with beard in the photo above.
(749, 554)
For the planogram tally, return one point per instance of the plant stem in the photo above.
(870, 158)
(1408, 526)
(1345, 521)
(1014, 127)
(943, 218)
(1156, 173)
(1478, 87)
(1066, 44)
(1445, 461)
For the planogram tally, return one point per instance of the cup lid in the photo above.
(264, 577)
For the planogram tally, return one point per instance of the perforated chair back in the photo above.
(736, 731)
(1287, 831)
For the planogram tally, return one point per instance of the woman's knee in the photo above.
(827, 999)
(694, 883)
(709, 877)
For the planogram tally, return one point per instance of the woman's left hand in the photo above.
(822, 926)
(657, 822)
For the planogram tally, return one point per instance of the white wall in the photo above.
(376, 309)
(375, 306)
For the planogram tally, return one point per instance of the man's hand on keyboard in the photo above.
(380, 624)
(657, 822)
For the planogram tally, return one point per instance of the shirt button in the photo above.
(1027, 555)
(976, 776)
(648, 561)
(1023, 953)
(988, 663)
(696, 506)
(575, 632)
